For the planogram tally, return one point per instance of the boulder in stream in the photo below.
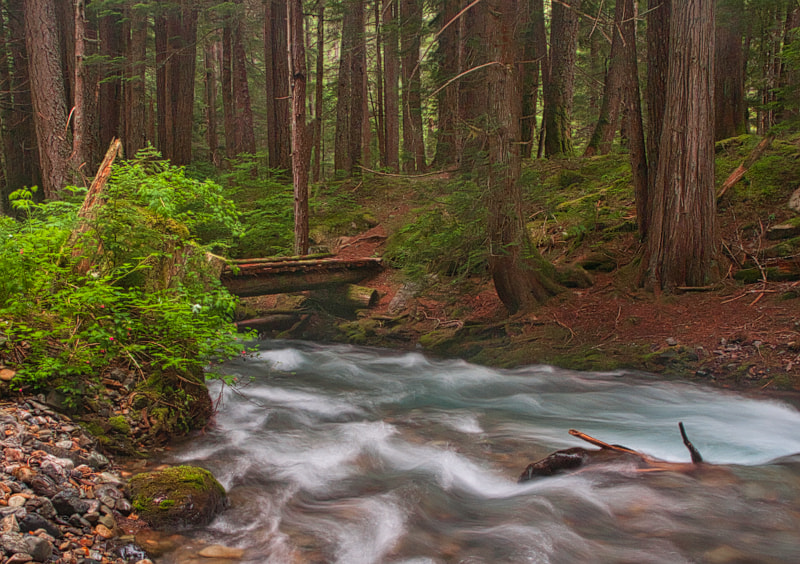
(178, 497)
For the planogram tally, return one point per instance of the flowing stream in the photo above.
(339, 454)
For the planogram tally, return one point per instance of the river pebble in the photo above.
(61, 501)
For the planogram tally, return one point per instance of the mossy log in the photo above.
(781, 273)
(280, 277)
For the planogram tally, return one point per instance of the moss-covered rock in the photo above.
(178, 497)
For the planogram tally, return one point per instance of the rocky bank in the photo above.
(60, 499)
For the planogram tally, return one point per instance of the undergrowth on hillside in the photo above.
(148, 303)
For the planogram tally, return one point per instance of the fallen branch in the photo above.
(742, 169)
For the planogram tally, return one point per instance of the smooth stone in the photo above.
(103, 531)
(17, 500)
(220, 551)
(794, 200)
(6, 374)
(13, 543)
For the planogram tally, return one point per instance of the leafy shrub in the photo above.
(72, 326)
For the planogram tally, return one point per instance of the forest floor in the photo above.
(738, 334)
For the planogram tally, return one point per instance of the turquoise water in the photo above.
(354, 456)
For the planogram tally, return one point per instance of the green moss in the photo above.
(119, 424)
(177, 496)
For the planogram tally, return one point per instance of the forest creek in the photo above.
(736, 335)
(506, 227)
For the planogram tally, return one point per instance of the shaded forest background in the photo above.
(317, 90)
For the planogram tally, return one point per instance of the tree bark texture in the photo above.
(391, 57)
(682, 241)
(110, 97)
(519, 273)
(606, 127)
(48, 94)
(21, 155)
(729, 115)
(560, 87)
(658, 18)
(351, 91)
(241, 91)
(176, 50)
(135, 134)
(210, 85)
(633, 116)
(413, 159)
(529, 73)
(300, 144)
(318, 92)
(448, 150)
(278, 96)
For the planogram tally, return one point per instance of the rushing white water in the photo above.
(355, 456)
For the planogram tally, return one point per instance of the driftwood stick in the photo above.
(617, 448)
(696, 458)
(601, 444)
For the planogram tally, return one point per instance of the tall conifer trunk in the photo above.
(682, 242)
(48, 95)
(560, 86)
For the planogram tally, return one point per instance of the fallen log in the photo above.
(280, 277)
(576, 457)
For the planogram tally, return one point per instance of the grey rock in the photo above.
(13, 543)
(34, 522)
(19, 558)
(107, 521)
(40, 549)
(97, 461)
(68, 502)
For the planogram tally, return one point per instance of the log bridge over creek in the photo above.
(334, 277)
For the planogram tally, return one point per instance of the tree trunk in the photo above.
(176, 36)
(358, 88)
(529, 73)
(21, 156)
(380, 127)
(48, 94)
(729, 115)
(342, 159)
(278, 96)
(658, 22)
(633, 116)
(559, 92)
(540, 39)
(210, 83)
(603, 135)
(521, 277)
(318, 91)
(228, 106)
(350, 103)
(448, 149)
(300, 145)
(110, 88)
(241, 90)
(390, 76)
(410, 31)
(135, 137)
(682, 241)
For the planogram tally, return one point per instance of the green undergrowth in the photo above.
(134, 293)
